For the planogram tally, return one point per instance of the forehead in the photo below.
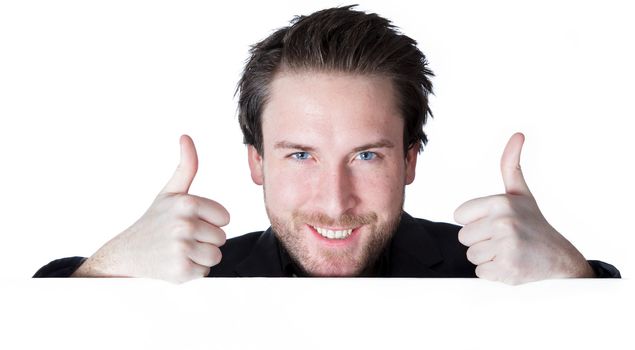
(316, 105)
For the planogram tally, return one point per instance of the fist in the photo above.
(509, 239)
(177, 239)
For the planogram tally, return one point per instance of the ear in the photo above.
(255, 164)
(411, 163)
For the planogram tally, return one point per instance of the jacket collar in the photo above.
(411, 253)
(264, 259)
(413, 250)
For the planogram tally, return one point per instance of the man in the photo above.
(332, 109)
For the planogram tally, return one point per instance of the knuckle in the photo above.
(182, 269)
(502, 204)
(506, 224)
(187, 204)
(513, 246)
(184, 228)
(181, 250)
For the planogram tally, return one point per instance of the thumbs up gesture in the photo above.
(177, 239)
(509, 239)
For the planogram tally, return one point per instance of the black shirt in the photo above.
(419, 248)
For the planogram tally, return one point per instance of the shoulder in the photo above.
(442, 232)
(234, 251)
(446, 235)
(437, 228)
(439, 242)
(242, 243)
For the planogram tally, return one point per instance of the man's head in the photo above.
(332, 108)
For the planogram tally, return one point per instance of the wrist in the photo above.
(93, 267)
(82, 270)
(586, 271)
(580, 268)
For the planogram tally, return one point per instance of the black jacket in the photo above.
(419, 248)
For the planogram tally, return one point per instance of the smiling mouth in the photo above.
(333, 234)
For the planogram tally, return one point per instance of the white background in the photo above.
(94, 96)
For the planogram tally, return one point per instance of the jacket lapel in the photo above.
(413, 250)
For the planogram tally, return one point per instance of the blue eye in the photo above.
(367, 155)
(300, 155)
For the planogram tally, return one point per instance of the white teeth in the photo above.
(341, 234)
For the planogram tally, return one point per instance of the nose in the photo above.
(335, 193)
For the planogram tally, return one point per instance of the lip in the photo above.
(353, 237)
(335, 228)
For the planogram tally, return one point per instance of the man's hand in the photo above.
(508, 237)
(177, 239)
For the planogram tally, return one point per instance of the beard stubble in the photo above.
(334, 262)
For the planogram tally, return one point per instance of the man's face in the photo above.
(333, 168)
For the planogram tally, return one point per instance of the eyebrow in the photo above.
(291, 145)
(383, 143)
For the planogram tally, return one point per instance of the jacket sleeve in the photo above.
(60, 267)
(604, 270)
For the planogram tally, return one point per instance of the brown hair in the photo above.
(340, 40)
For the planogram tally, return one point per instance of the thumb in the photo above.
(510, 166)
(185, 172)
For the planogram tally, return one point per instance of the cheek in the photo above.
(286, 189)
(380, 189)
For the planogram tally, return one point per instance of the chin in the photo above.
(333, 269)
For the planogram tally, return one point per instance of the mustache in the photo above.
(344, 220)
